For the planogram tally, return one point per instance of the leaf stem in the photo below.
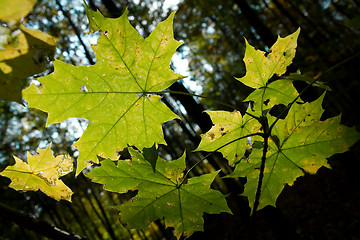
(197, 95)
(202, 96)
(261, 175)
(266, 135)
(253, 116)
(209, 154)
(339, 64)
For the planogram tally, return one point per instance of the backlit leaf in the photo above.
(42, 172)
(160, 194)
(261, 67)
(229, 126)
(118, 93)
(300, 144)
(277, 92)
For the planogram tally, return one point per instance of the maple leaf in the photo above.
(299, 144)
(229, 126)
(42, 173)
(261, 66)
(117, 94)
(277, 92)
(161, 193)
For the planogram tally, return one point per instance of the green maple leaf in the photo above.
(42, 172)
(260, 67)
(277, 92)
(299, 144)
(229, 126)
(160, 193)
(117, 94)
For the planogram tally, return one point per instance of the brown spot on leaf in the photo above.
(211, 135)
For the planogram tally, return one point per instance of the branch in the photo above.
(205, 97)
(261, 175)
(77, 32)
(266, 135)
(42, 227)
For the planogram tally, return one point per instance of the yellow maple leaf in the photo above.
(42, 172)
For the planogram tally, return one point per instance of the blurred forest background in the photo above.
(322, 206)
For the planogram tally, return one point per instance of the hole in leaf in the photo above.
(266, 102)
(277, 111)
(84, 89)
(272, 79)
(311, 94)
(124, 154)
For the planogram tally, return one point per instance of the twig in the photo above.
(77, 32)
(209, 154)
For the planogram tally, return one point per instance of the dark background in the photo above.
(321, 206)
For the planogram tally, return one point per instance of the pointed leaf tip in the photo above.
(260, 66)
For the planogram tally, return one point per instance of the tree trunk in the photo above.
(251, 16)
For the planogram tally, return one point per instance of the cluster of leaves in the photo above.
(121, 97)
(291, 147)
